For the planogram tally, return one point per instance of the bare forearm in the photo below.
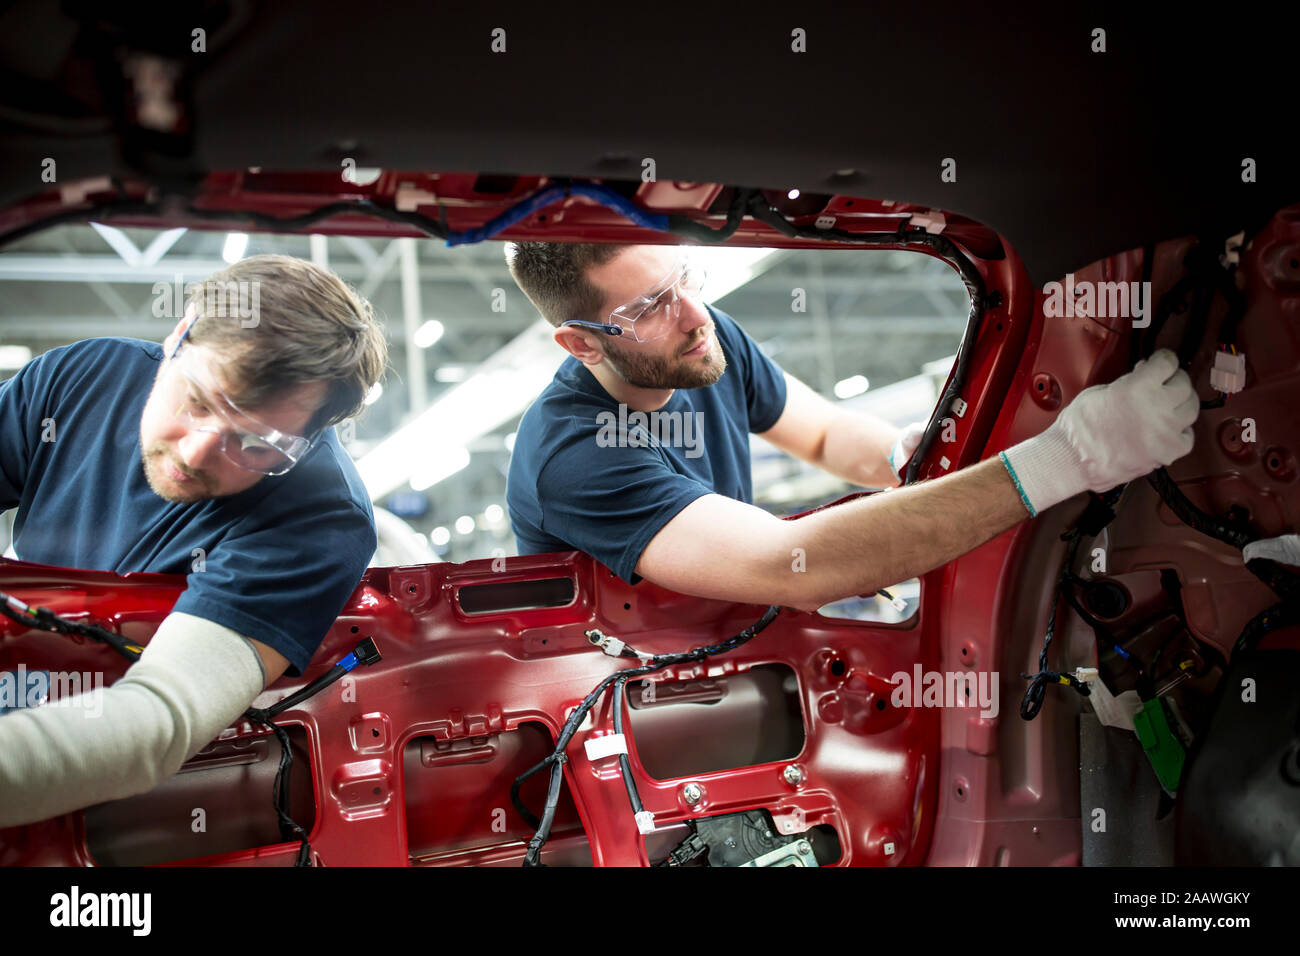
(864, 545)
(857, 449)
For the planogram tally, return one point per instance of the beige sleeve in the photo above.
(193, 680)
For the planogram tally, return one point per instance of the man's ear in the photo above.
(169, 343)
(581, 345)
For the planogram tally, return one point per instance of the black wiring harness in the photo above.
(43, 619)
(558, 757)
(1206, 274)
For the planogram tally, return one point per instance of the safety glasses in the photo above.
(651, 316)
(251, 444)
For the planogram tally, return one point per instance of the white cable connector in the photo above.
(1110, 710)
(610, 645)
(645, 822)
(1229, 372)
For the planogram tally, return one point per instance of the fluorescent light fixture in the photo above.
(729, 269)
(236, 245)
(855, 385)
(14, 356)
(428, 333)
(451, 373)
(372, 396)
(502, 387)
(434, 468)
(464, 524)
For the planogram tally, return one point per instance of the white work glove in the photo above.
(1108, 435)
(904, 447)
(1284, 548)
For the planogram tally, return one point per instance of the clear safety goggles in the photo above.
(651, 316)
(247, 442)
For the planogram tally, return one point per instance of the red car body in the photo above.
(481, 667)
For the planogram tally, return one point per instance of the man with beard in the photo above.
(210, 456)
(639, 336)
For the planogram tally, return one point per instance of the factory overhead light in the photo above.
(451, 373)
(235, 247)
(428, 333)
(433, 468)
(728, 269)
(847, 388)
(14, 356)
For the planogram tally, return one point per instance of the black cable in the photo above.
(1270, 619)
(947, 250)
(1135, 341)
(105, 211)
(361, 207)
(365, 652)
(1284, 583)
(624, 763)
(289, 829)
(1099, 630)
(1032, 702)
(557, 759)
(682, 225)
(43, 619)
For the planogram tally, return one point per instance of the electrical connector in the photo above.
(645, 822)
(1229, 372)
(899, 604)
(1110, 710)
(610, 645)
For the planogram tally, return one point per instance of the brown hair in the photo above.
(554, 276)
(277, 322)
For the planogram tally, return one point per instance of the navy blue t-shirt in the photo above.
(279, 560)
(587, 476)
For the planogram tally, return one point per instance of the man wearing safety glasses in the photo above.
(211, 456)
(639, 336)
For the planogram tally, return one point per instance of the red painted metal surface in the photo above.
(449, 677)
(464, 201)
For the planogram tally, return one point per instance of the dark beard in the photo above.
(641, 371)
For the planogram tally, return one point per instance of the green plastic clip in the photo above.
(1162, 746)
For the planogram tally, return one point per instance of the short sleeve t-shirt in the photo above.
(275, 562)
(590, 475)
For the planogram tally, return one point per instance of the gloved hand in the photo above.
(1284, 548)
(1108, 435)
(904, 447)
